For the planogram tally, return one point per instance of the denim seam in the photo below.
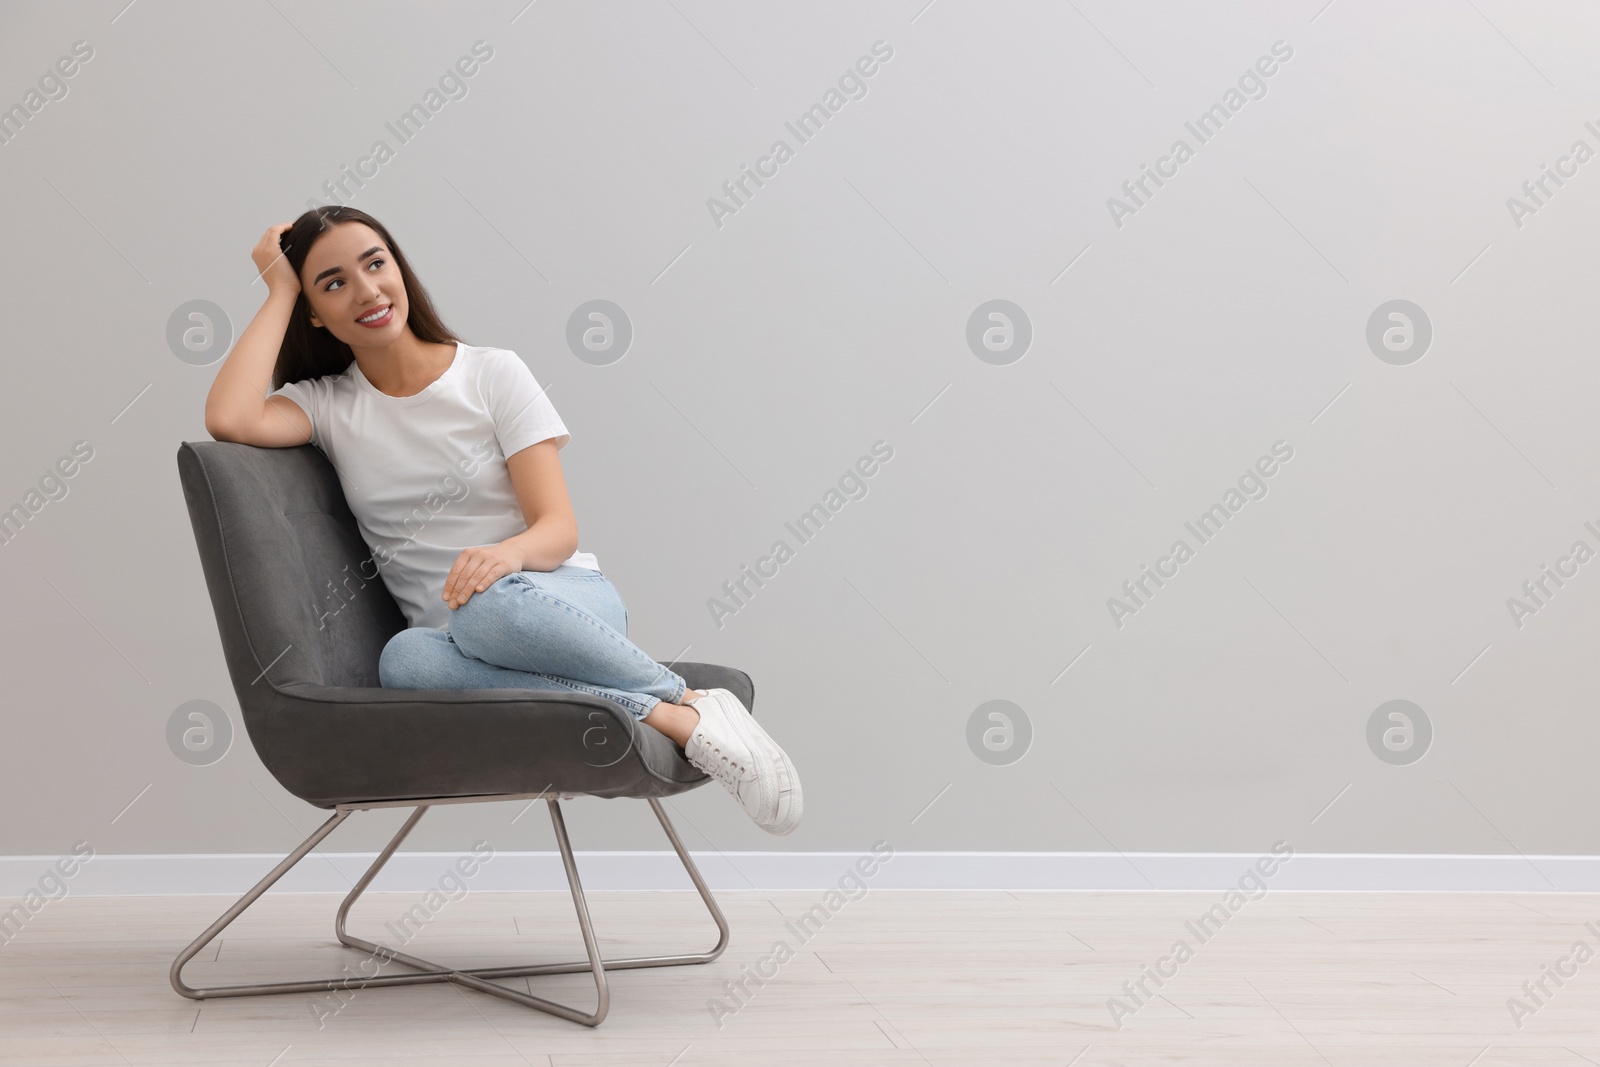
(627, 703)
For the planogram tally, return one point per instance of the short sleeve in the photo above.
(522, 412)
(312, 395)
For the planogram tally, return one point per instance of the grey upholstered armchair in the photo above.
(275, 536)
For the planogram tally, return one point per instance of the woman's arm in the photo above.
(551, 536)
(237, 407)
(552, 533)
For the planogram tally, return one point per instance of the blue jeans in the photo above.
(561, 631)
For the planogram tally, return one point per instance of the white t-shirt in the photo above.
(425, 475)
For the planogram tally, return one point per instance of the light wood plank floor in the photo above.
(893, 978)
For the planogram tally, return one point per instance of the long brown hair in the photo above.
(310, 352)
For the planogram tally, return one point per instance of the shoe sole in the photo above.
(790, 805)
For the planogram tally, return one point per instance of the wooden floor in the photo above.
(892, 978)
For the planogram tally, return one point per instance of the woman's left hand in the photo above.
(477, 568)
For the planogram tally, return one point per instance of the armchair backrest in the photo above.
(297, 596)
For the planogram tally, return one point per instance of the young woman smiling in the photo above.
(498, 596)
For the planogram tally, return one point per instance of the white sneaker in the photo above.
(760, 776)
(724, 755)
(790, 800)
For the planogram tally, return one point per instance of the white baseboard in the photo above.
(336, 872)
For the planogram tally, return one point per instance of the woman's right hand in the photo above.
(272, 264)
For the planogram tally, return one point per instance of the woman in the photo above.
(447, 456)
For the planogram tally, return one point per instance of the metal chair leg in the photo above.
(372, 872)
(233, 913)
(319, 985)
(479, 978)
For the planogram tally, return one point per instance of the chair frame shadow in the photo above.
(479, 978)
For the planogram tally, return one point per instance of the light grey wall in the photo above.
(1171, 349)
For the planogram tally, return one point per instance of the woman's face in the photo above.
(348, 276)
